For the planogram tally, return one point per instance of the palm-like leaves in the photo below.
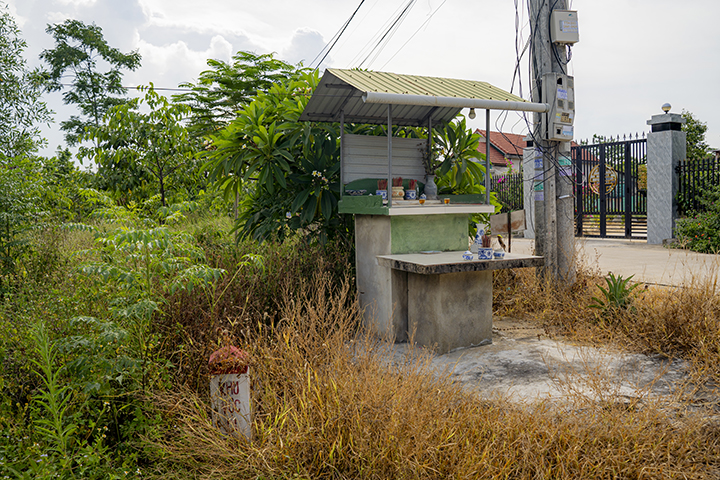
(459, 146)
(617, 296)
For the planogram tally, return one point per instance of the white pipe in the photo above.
(455, 102)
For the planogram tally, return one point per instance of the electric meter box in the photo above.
(558, 91)
(564, 27)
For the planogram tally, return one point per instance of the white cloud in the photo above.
(305, 45)
(76, 3)
(56, 17)
(168, 65)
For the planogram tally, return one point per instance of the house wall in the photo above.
(514, 163)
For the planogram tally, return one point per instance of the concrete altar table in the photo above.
(449, 300)
(407, 227)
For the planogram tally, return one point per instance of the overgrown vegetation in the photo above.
(699, 230)
(113, 295)
(330, 405)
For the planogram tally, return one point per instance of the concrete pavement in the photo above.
(524, 365)
(653, 264)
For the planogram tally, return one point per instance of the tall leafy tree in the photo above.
(289, 170)
(695, 129)
(21, 106)
(21, 110)
(80, 52)
(221, 92)
(156, 143)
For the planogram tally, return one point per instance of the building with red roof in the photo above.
(506, 151)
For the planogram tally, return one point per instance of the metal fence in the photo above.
(509, 191)
(696, 176)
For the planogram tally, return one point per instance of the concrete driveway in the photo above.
(649, 263)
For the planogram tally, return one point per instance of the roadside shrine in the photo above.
(411, 277)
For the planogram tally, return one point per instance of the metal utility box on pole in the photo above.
(551, 134)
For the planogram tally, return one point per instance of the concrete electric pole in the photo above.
(552, 133)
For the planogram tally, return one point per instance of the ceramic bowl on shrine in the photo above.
(485, 253)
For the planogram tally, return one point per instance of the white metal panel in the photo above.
(366, 156)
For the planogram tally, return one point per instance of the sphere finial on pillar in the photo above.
(666, 107)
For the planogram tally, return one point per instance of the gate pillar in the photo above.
(666, 147)
(529, 176)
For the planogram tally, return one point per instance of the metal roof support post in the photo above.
(342, 155)
(487, 156)
(429, 142)
(389, 136)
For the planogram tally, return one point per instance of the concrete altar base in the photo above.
(451, 310)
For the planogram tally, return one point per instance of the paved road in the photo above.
(649, 263)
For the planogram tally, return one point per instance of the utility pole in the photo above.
(553, 191)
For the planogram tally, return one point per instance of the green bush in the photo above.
(700, 232)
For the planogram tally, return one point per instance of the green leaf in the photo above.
(308, 213)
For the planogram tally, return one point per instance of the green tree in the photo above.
(20, 181)
(288, 170)
(62, 184)
(221, 92)
(695, 129)
(20, 210)
(78, 49)
(458, 147)
(21, 107)
(156, 142)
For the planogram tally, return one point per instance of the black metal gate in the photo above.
(611, 189)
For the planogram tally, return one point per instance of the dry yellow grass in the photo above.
(329, 405)
(675, 322)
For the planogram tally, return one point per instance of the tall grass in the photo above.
(674, 322)
(249, 297)
(330, 402)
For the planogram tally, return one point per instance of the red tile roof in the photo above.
(502, 145)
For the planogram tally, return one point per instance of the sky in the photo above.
(633, 55)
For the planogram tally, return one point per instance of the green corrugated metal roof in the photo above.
(341, 91)
(417, 85)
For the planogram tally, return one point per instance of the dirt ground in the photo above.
(523, 364)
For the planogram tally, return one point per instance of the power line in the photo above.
(400, 18)
(139, 87)
(416, 32)
(336, 37)
(376, 36)
(357, 24)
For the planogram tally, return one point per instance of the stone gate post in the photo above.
(666, 147)
(529, 173)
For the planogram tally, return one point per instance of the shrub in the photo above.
(700, 232)
(617, 296)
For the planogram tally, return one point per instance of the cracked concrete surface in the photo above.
(522, 364)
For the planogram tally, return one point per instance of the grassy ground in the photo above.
(327, 404)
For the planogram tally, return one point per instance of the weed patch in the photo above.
(330, 403)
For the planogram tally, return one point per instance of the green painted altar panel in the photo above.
(418, 233)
